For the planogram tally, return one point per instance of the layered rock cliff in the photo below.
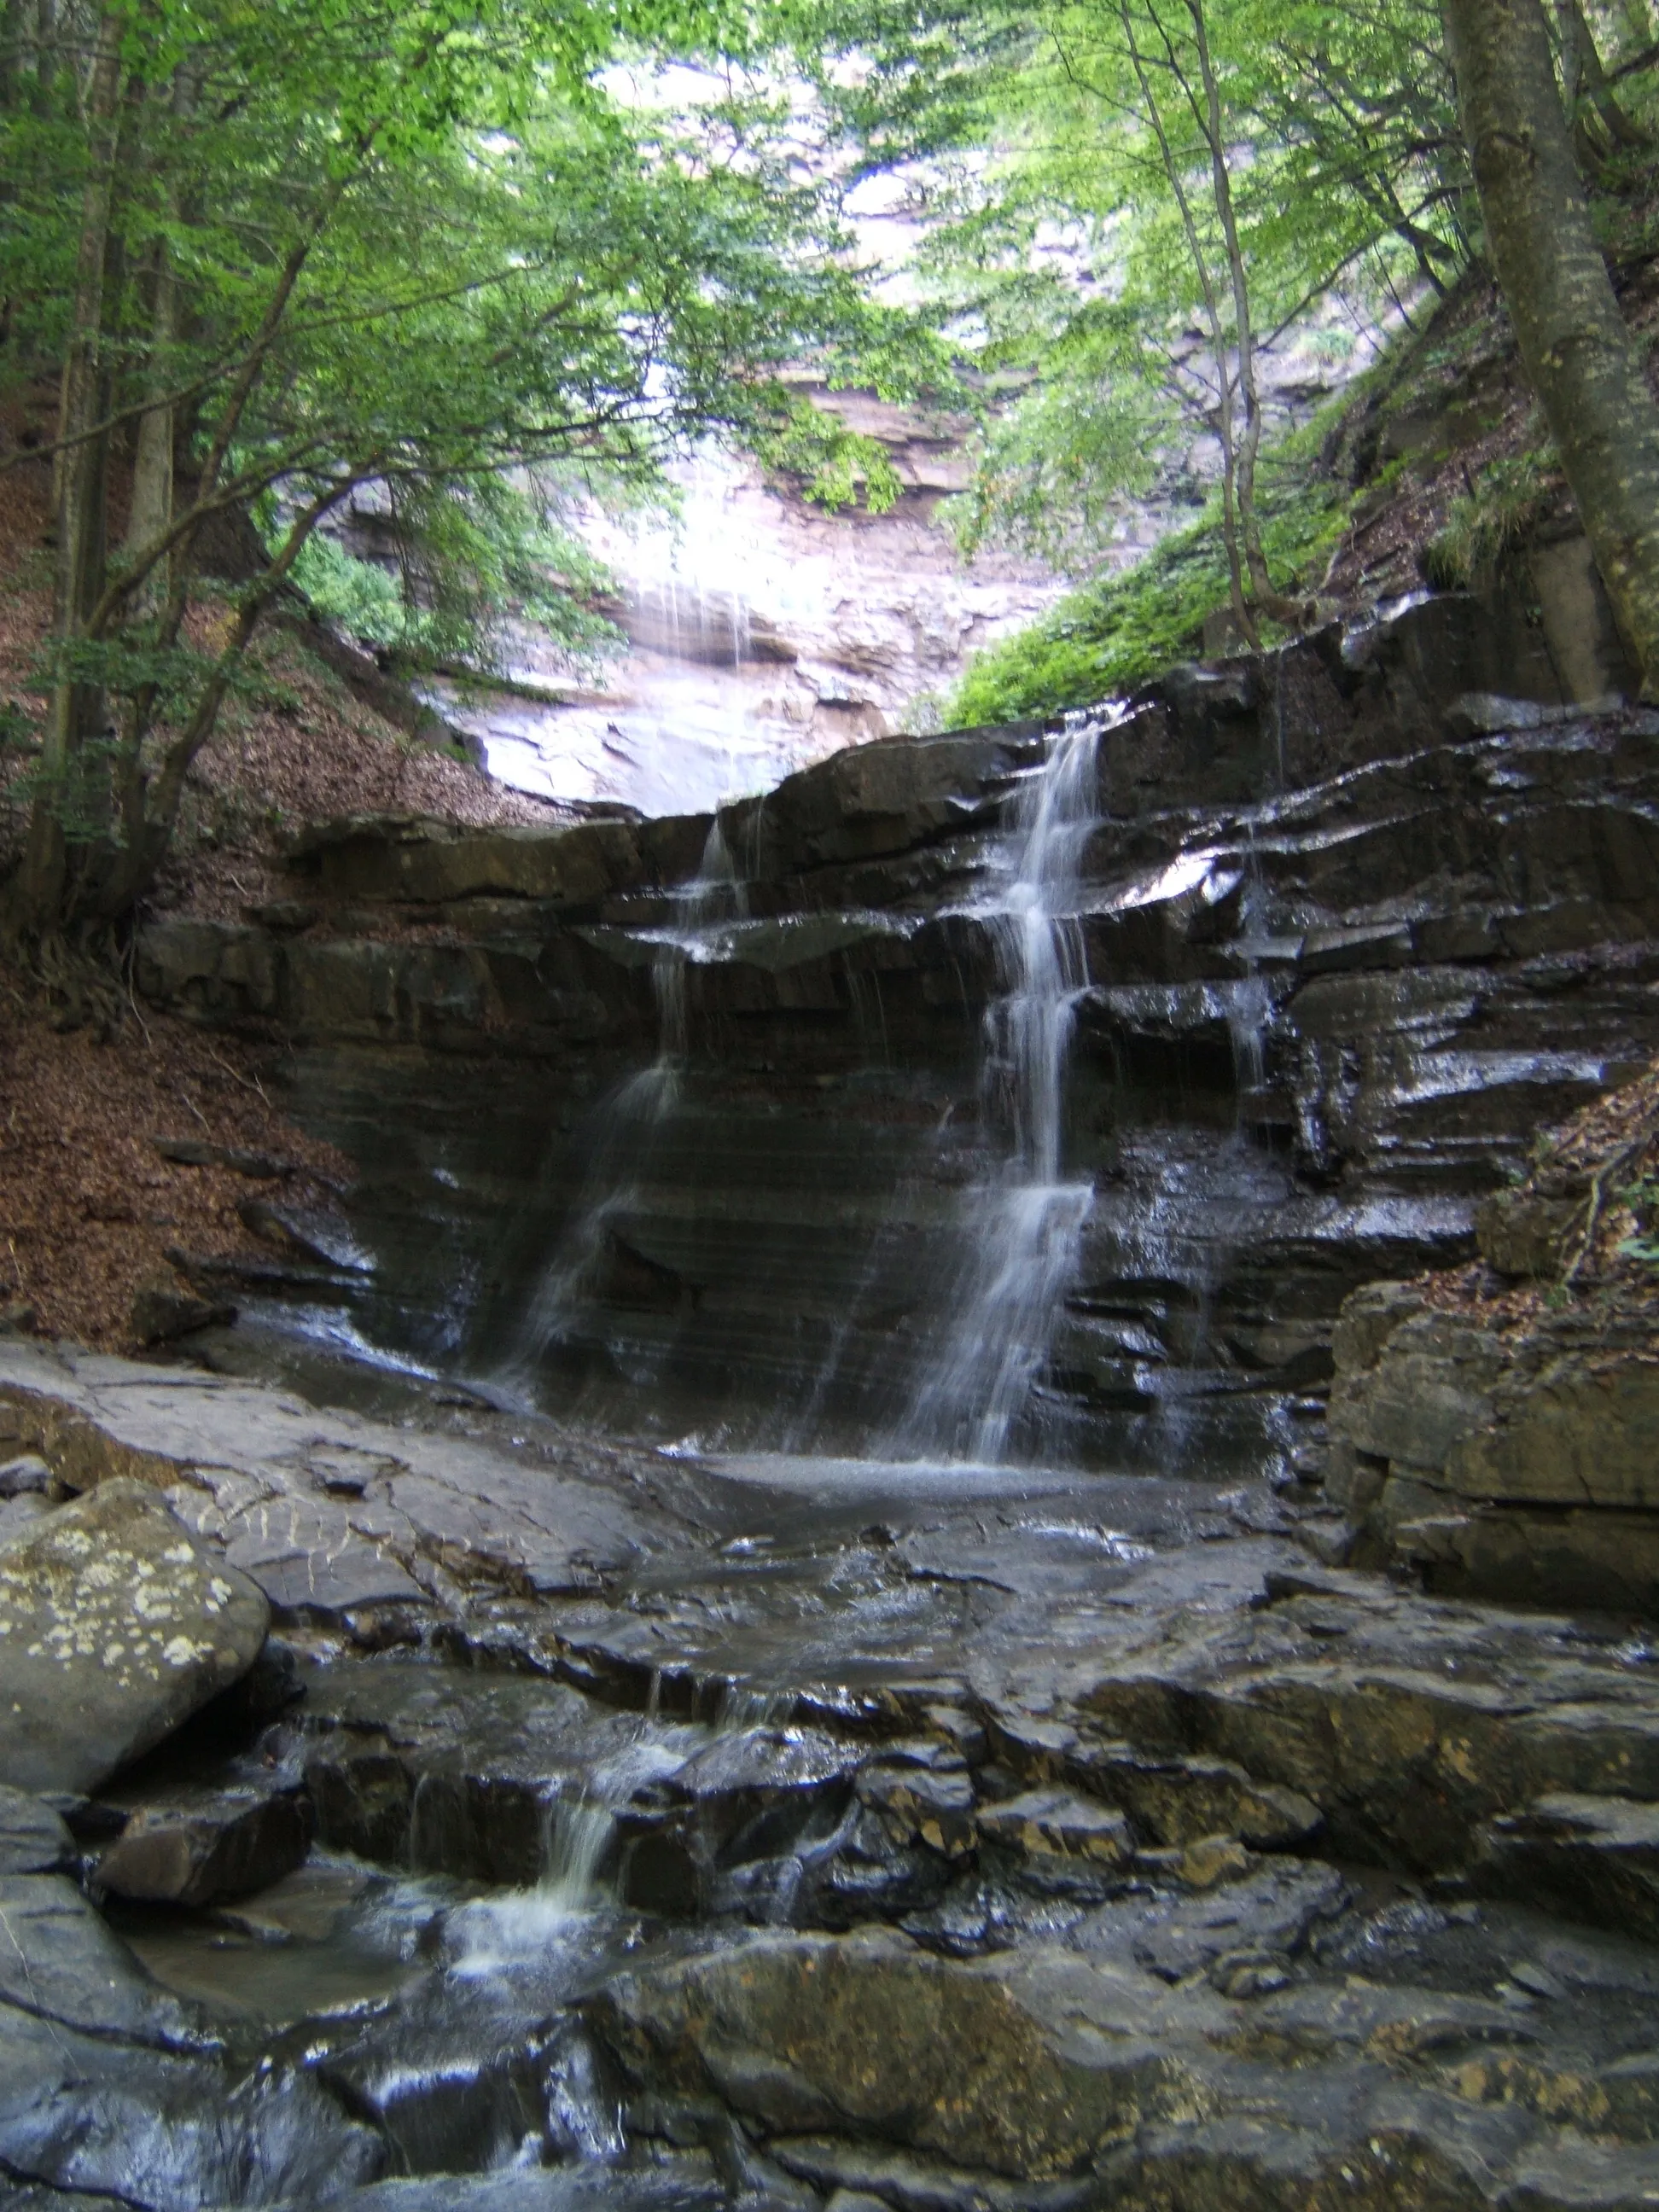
(1351, 924)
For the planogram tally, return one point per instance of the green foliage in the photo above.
(1116, 633)
(447, 252)
(1055, 467)
(359, 596)
(834, 464)
(1485, 525)
(476, 558)
(79, 794)
(16, 728)
(1079, 257)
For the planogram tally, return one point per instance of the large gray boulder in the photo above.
(115, 1624)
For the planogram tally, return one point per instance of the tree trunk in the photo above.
(36, 892)
(46, 55)
(1250, 438)
(151, 510)
(11, 54)
(1224, 425)
(151, 813)
(1586, 371)
(1600, 126)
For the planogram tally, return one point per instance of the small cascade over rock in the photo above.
(580, 1832)
(592, 1245)
(1022, 1228)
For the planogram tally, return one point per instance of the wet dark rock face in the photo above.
(1021, 1841)
(1344, 950)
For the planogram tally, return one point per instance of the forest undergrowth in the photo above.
(1432, 471)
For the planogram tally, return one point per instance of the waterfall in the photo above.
(638, 1111)
(1018, 1231)
(575, 1833)
(508, 1928)
(1023, 1226)
(714, 895)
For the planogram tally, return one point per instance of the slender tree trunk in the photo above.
(1587, 85)
(152, 811)
(1224, 421)
(36, 892)
(45, 55)
(13, 39)
(150, 514)
(1584, 366)
(1249, 441)
(11, 55)
(151, 509)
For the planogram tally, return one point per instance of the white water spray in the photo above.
(1024, 1225)
(512, 1928)
(639, 1111)
(575, 1834)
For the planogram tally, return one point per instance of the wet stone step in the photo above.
(748, 1797)
(683, 2186)
(1588, 1858)
(922, 1796)
(453, 2090)
(196, 1846)
(1178, 1800)
(1057, 1835)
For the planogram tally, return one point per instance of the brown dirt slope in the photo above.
(88, 1206)
(1447, 420)
(1601, 1169)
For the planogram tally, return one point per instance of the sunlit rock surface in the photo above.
(760, 633)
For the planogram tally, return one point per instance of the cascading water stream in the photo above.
(1020, 1232)
(1023, 1226)
(639, 1111)
(576, 1837)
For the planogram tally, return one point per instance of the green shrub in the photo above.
(1113, 634)
(1487, 522)
(363, 600)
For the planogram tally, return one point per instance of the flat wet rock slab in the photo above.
(337, 1518)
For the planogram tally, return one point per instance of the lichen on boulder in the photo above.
(115, 1626)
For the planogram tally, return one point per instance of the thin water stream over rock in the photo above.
(811, 1663)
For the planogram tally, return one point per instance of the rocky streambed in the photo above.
(609, 1827)
(770, 1609)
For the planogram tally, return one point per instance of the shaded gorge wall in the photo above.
(716, 1130)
